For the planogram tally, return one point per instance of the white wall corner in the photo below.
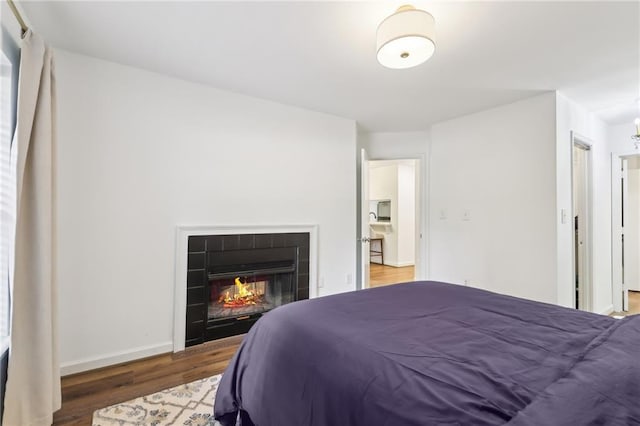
(606, 311)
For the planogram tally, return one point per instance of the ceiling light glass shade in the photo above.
(636, 136)
(406, 38)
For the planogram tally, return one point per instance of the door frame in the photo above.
(617, 287)
(585, 143)
(364, 237)
(421, 220)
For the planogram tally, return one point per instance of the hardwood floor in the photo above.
(380, 275)
(84, 393)
(634, 305)
(634, 302)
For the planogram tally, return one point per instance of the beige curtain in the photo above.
(33, 383)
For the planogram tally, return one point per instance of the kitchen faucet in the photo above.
(374, 215)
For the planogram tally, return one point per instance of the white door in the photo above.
(625, 209)
(578, 224)
(581, 221)
(364, 218)
(632, 226)
(618, 201)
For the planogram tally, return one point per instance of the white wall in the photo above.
(406, 214)
(619, 138)
(471, 157)
(395, 145)
(138, 154)
(499, 165)
(383, 181)
(573, 117)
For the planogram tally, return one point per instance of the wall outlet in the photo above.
(349, 279)
(321, 282)
(443, 214)
(466, 215)
(467, 282)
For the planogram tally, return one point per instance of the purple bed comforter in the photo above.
(430, 353)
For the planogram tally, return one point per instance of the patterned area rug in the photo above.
(190, 405)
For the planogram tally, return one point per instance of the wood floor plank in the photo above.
(100, 385)
(84, 393)
(634, 304)
(383, 274)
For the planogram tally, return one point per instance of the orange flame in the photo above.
(242, 296)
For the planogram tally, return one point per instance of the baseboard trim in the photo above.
(87, 364)
(395, 264)
(607, 311)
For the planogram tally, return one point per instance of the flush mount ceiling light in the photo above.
(406, 38)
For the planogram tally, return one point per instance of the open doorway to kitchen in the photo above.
(626, 233)
(393, 220)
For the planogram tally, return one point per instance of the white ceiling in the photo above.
(321, 55)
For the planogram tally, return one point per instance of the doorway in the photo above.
(581, 216)
(391, 235)
(392, 221)
(626, 233)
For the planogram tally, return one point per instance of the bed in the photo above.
(430, 353)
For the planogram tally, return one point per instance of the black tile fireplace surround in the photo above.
(232, 280)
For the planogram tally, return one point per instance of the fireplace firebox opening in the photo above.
(232, 280)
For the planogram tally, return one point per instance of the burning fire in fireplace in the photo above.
(243, 295)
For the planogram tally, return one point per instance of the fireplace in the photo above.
(232, 280)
